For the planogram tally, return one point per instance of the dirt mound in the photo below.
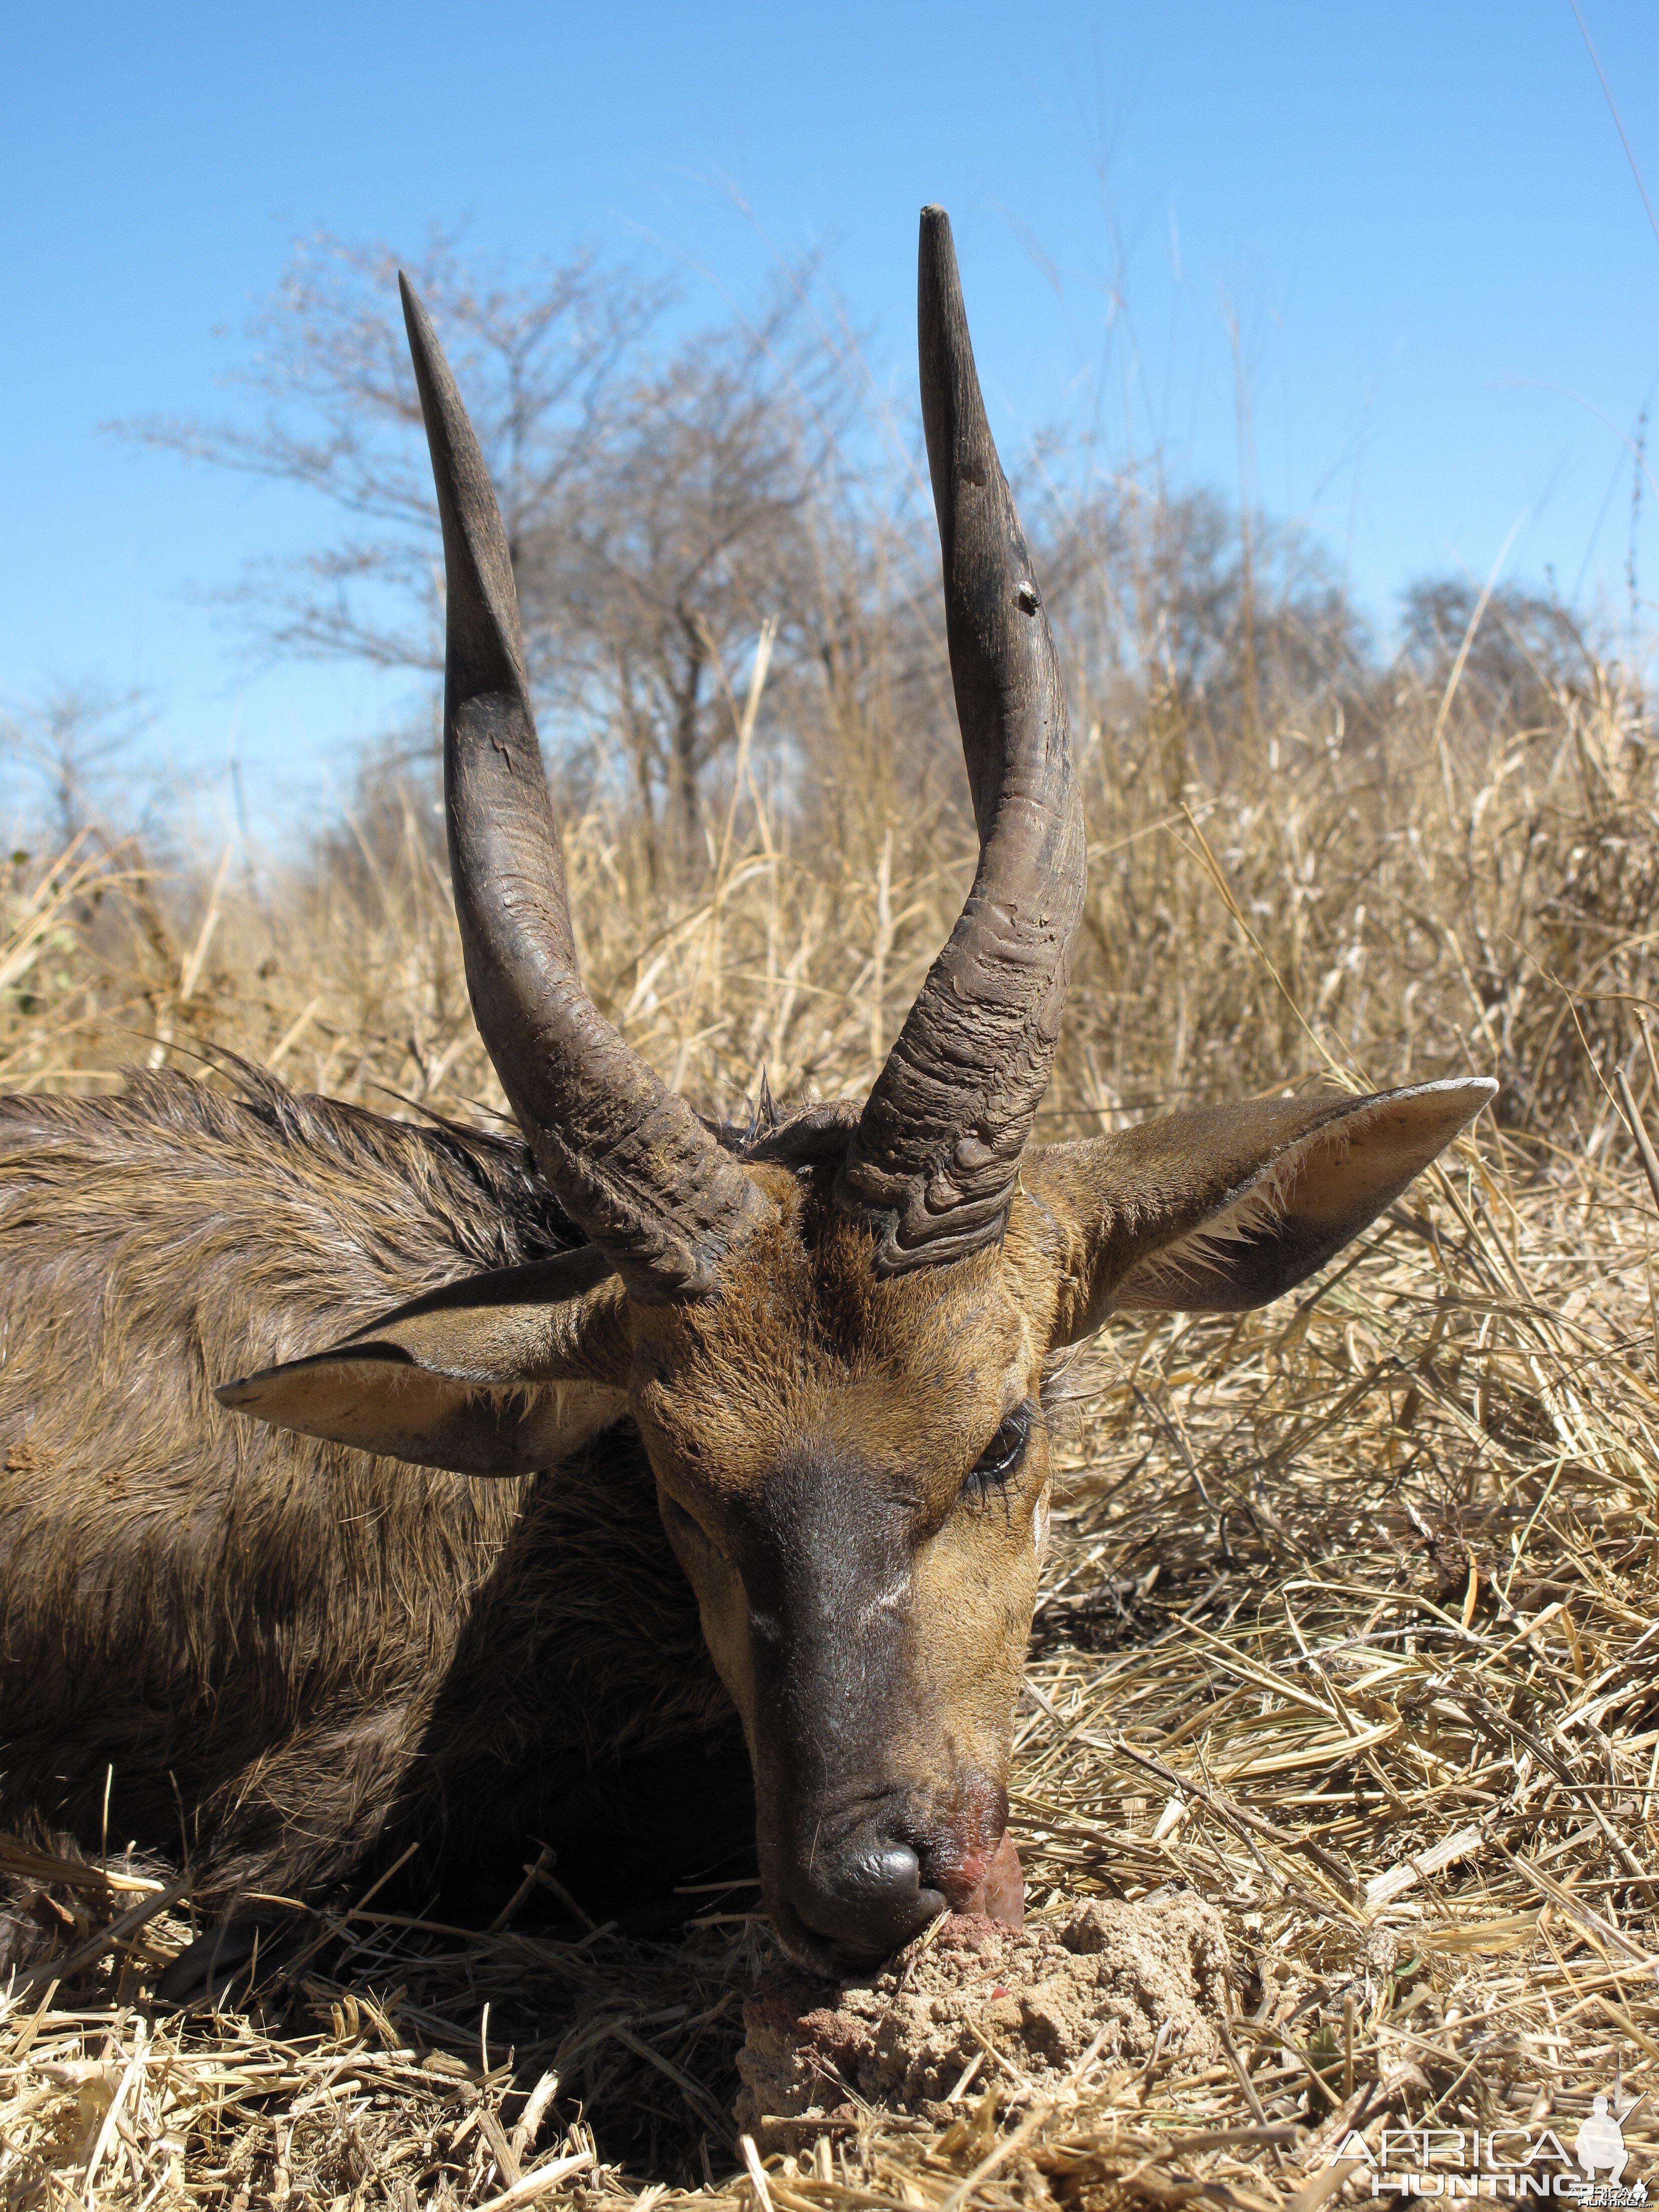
(1114, 1976)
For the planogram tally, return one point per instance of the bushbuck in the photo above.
(410, 1577)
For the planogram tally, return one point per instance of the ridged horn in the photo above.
(631, 1164)
(932, 1164)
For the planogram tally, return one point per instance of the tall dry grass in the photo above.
(1441, 896)
(1350, 1617)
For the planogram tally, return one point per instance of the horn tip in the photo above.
(937, 261)
(415, 313)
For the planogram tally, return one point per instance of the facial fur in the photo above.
(851, 1472)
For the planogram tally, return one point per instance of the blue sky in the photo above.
(1420, 218)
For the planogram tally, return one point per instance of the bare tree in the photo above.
(1523, 653)
(541, 361)
(1165, 593)
(697, 524)
(669, 497)
(67, 747)
(660, 500)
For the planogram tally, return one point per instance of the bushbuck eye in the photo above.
(1001, 1457)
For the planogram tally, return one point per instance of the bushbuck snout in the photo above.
(830, 1335)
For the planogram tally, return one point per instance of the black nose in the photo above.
(867, 1899)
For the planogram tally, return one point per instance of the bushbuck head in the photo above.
(833, 1337)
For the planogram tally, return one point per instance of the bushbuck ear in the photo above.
(1226, 1207)
(500, 1374)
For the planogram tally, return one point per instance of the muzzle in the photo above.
(862, 1886)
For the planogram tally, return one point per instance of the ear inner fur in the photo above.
(378, 1403)
(1229, 1206)
(498, 1374)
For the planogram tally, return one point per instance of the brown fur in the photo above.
(284, 1649)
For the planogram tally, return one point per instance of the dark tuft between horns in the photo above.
(632, 1165)
(933, 1165)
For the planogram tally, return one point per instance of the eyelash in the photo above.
(1001, 1457)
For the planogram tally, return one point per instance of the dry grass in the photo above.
(1438, 897)
(1352, 1614)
